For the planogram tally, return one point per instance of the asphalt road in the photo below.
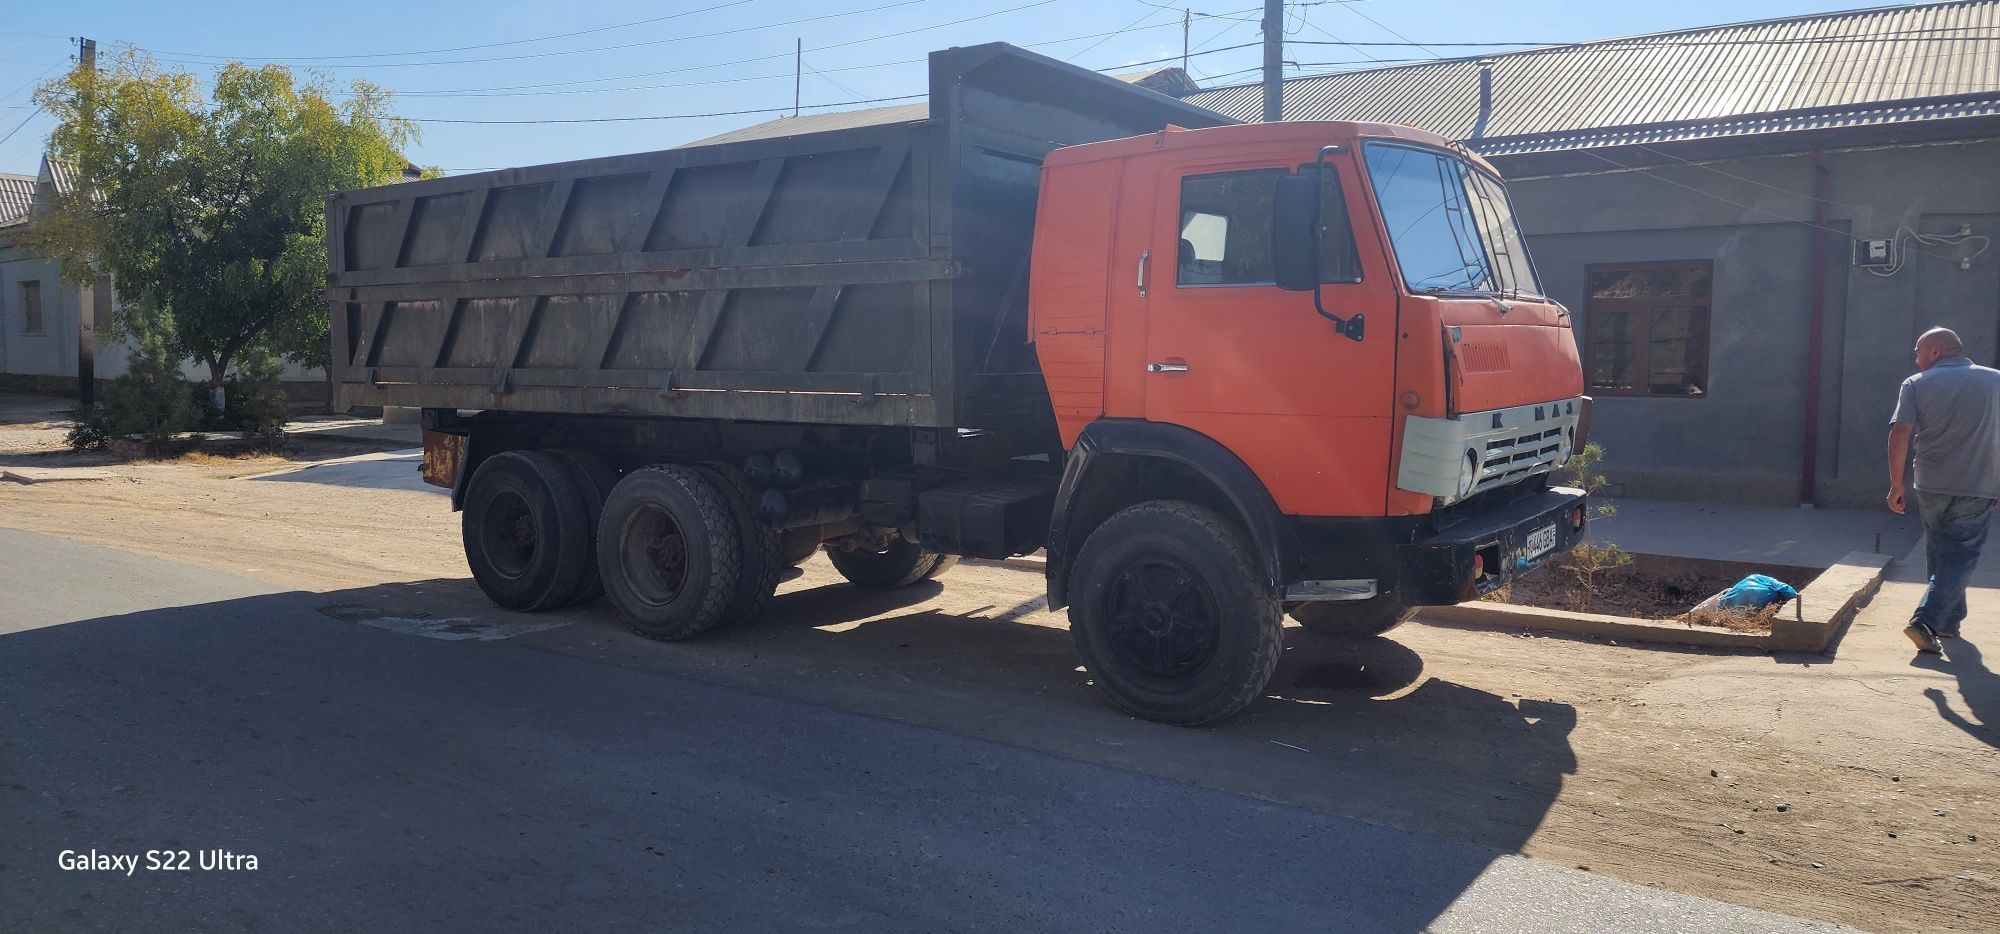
(385, 781)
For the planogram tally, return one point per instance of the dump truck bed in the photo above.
(871, 275)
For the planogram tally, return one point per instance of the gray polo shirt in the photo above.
(1955, 406)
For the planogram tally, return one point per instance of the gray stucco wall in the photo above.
(1744, 441)
(53, 351)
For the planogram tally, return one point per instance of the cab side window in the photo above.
(1225, 228)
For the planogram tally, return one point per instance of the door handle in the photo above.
(1166, 368)
(1144, 256)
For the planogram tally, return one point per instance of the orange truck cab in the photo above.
(1337, 329)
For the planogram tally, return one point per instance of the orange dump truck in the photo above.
(1217, 374)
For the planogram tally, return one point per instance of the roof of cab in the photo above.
(1305, 132)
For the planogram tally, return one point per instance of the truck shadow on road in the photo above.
(1349, 728)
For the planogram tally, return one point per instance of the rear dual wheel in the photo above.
(526, 529)
(670, 550)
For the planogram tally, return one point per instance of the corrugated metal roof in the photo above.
(59, 174)
(1705, 82)
(17, 197)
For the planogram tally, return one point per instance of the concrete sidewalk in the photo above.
(1775, 535)
(1878, 702)
(355, 429)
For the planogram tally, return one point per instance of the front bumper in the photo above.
(1483, 551)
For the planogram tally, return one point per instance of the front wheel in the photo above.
(1355, 619)
(1171, 616)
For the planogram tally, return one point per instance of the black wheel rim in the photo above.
(655, 550)
(508, 534)
(1163, 620)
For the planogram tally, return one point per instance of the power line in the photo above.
(822, 76)
(615, 48)
(1337, 40)
(734, 113)
(1747, 207)
(1155, 11)
(685, 116)
(567, 87)
(31, 81)
(467, 48)
(18, 126)
(1356, 11)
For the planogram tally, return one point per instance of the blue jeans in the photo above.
(1954, 531)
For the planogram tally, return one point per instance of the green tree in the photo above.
(210, 209)
(1589, 561)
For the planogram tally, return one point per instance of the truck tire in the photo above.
(1171, 616)
(594, 478)
(903, 564)
(526, 529)
(799, 545)
(757, 581)
(1355, 619)
(669, 551)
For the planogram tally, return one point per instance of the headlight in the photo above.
(1468, 474)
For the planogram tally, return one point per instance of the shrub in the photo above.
(91, 430)
(1588, 561)
(254, 401)
(152, 400)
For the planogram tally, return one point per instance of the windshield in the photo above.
(1450, 224)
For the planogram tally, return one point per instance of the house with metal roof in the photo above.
(1751, 222)
(48, 331)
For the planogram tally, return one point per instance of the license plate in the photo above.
(1540, 542)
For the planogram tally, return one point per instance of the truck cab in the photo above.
(1334, 332)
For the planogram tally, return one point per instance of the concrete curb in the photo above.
(52, 475)
(1823, 611)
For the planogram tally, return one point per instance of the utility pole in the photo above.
(86, 311)
(798, 70)
(1187, 19)
(1274, 60)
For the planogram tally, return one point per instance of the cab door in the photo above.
(1256, 368)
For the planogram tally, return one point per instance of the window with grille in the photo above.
(1646, 330)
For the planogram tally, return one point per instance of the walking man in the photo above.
(1951, 409)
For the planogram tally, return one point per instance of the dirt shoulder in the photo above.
(1657, 766)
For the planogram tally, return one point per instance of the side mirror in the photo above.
(1295, 233)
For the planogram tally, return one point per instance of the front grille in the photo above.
(1508, 459)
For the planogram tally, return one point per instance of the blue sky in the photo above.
(508, 59)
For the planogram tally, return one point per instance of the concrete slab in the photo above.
(357, 429)
(1815, 538)
(387, 470)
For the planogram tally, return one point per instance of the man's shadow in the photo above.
(1977, 686)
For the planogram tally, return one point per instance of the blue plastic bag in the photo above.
(1757, 592)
